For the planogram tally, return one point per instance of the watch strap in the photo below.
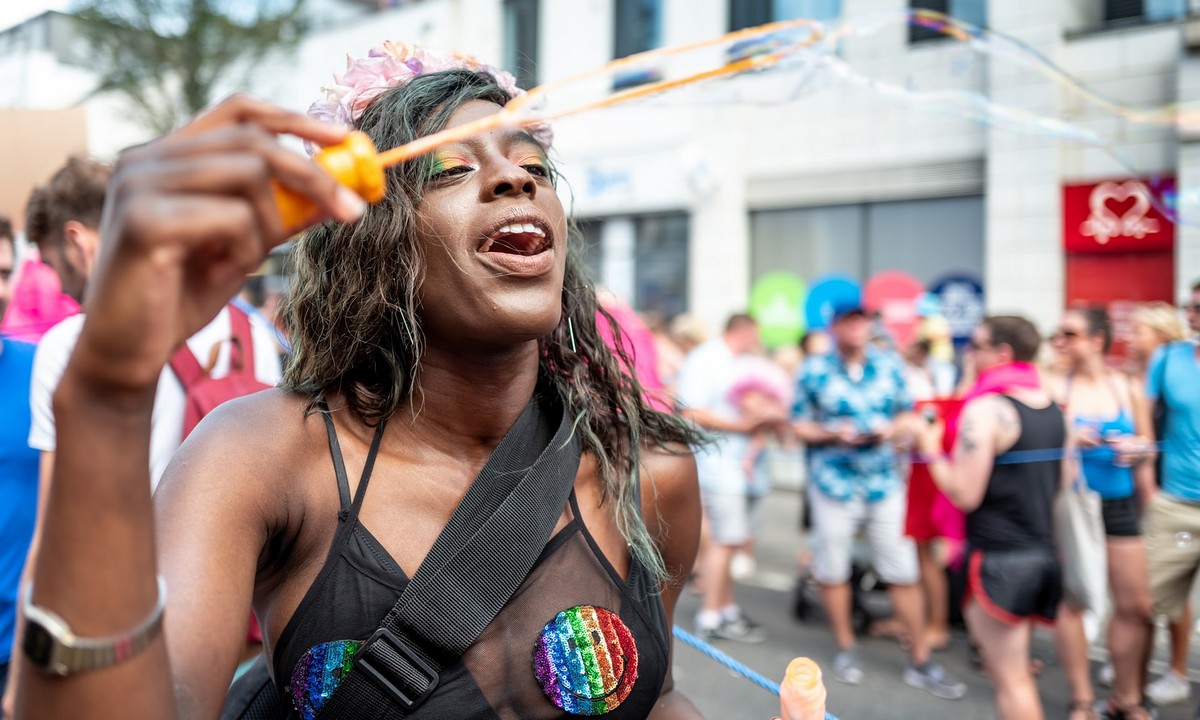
(52, 646)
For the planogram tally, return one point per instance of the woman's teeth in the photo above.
(519, 238)
(516, 229)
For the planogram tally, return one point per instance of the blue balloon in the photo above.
(827, 292)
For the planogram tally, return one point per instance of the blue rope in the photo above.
(737, 667)
(1012, 457)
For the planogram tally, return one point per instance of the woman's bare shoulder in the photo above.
(671, 470)
(266, 437)
(670, 491)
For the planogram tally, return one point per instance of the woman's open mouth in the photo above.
(517, 238)
(521, 246)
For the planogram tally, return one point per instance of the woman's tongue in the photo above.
(515, 244)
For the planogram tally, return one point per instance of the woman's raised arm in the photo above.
(188, 217)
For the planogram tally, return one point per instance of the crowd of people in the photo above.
(968, 473)
(445, 343)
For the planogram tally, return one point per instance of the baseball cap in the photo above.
(847, 309)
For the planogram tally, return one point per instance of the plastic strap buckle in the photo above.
(385, 675)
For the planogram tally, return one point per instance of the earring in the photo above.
(571, 333)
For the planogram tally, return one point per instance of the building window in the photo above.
(591, 249)
(1116, 11)
(637, 27)
(749, 13)
(661, 264)
(969, 11)
(521, 40)
(861, 240)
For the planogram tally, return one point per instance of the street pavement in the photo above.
(766, 596)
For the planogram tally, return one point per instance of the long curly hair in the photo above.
(355, 319)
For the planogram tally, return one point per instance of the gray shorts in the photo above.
(835, 525)
(733, 518)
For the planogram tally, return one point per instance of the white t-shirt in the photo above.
(166, 432)
(704, 381)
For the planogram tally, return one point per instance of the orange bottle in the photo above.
(352, 162)
(802, 692)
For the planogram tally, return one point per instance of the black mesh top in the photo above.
(575, 638)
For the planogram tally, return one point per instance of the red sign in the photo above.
(1118, 216)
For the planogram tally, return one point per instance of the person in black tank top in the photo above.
(1006, 469)
(423, 330)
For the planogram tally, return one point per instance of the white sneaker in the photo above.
(1168, 689)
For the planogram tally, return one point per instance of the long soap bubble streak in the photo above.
(808, 49)
(530, 109)
(979, 108)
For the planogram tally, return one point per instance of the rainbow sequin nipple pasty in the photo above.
(319, 673)
(586, 661)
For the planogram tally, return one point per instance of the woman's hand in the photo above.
(1087, 437)
(1131, 449)
(929, 439)
(188, 217)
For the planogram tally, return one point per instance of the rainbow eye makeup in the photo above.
(447, 164)
(533, 162)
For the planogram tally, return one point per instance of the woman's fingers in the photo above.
(240, 109)
(279, 165)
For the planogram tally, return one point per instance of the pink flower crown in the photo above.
(393, 64)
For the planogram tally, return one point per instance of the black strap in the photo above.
(488, 547)
(347, 504)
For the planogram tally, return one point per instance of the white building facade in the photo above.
(685, 206)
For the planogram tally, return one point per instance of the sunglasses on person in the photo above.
(1064, 334)
(1193, 308)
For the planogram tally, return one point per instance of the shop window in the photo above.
(861, 240)
(661, 264)
(591, 248)
(749, 13)
(521, 40)
(969, 11)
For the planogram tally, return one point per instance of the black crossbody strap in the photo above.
(491, 542)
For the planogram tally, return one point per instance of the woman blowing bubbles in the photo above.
(424, 329)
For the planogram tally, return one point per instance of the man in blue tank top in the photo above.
(18, 463)
(1172, 517)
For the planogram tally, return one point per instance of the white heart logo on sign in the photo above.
(1104, 224)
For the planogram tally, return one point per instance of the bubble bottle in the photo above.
(352, 163)
(802, 692)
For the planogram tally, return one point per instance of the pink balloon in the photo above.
(894, 295)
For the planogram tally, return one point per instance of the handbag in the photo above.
(491, 542)
(1079, 534)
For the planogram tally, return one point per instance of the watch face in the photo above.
(39, 644)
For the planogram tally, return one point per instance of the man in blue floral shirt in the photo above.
(849, 403)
